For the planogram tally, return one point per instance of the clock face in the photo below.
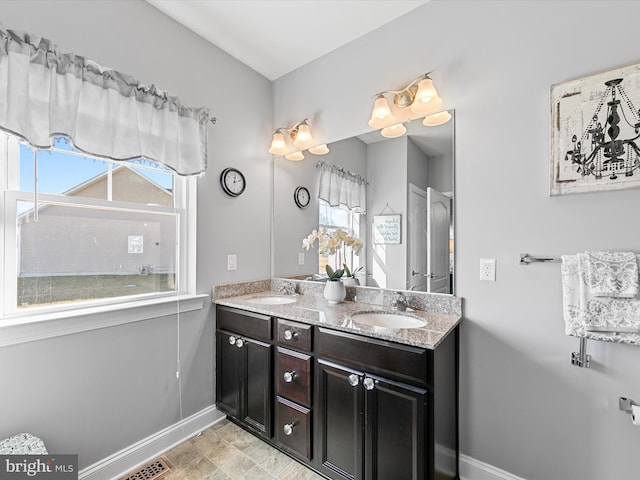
(232, 182)
(301, 197)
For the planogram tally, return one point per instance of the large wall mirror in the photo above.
(407, 230)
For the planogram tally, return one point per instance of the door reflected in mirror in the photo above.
(409, 190)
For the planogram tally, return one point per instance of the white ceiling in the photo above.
(274, 37)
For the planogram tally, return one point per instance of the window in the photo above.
(340, 217)
(81, 230)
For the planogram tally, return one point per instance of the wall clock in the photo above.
(232, 181)
(301, 197)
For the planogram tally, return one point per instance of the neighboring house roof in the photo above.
(119, 171)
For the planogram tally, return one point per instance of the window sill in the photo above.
(23, 329)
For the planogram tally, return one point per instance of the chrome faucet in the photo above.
(288, 288)
(400, 302)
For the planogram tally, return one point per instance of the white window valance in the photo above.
(338, 186)
(44, 93)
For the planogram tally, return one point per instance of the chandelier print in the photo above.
(595, 129)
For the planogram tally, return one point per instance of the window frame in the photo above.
(185, 198)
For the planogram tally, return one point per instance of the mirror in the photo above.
(407, 231)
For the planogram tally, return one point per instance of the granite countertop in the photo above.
(315, 310)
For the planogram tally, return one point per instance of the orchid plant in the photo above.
(334, 242)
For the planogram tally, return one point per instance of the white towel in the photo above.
(600, 318)
(611, 274)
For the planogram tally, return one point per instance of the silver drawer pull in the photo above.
(288, 428)
(369, 383)
(239, 343)
(354, 380)
(232, 340)
(288, 376)
(289, 334)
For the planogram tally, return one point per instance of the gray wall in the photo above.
(523, 407)
(97, 392)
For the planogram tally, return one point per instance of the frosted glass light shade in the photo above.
(393, 131)
(303, 136)
(319, 150)
(278, 145)
(436, 119)
(426, 91)
(427, 107)
(295, 156)
(381, 113)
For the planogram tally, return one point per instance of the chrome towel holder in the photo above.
(579, 358)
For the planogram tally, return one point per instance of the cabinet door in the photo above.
(256, 386)
(395, 432)
(228, 374)
(339, 424)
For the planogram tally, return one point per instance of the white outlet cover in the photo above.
(488, 269)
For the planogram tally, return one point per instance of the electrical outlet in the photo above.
(300, 258)
(488, 269)
(232, 262)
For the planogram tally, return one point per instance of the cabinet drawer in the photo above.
(293, 427)
(401, 362)
(244, 323)
(293, 334)
(293, 376)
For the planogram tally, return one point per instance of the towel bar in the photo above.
(526, 259)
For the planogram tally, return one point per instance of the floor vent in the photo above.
(150, 471)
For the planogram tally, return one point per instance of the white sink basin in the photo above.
(388, 320)
(272, 300)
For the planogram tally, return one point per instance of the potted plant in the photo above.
(339, 244)
(334, 290)
(350, 279)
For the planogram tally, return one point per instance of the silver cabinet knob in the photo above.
(288, 376)
(354, 380)
(239, 343)
(232, 340)
(288, 428)
(289, 334)
(369, 383)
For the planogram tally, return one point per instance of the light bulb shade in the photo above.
(295, 156)
(303, 138)
(278, 144)
(393, 131)
(319, 150)
(381, 113)
(427, 107)
(426, 91)
(436, 119)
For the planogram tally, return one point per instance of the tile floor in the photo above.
(226, 452)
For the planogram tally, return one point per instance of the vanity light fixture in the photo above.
(420, 96)
(301, 139)
(436, 119)
(320, 149)
(295, 156)
(393, 131)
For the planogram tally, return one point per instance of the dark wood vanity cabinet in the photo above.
(384, 409)
(244, 368)
(349, 406)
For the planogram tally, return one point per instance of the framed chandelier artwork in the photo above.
(595, 132)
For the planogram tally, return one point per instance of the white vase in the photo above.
(334, 292)
(351, 282)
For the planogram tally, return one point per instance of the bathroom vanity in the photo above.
(350, 400)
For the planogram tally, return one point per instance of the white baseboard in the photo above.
(136, 455)
(472, 469)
